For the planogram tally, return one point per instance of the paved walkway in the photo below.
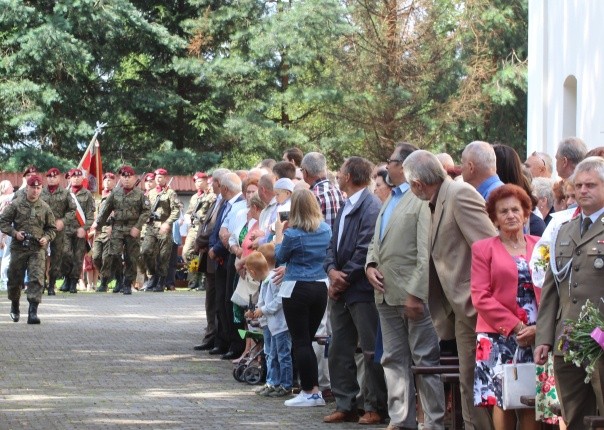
(105, 361)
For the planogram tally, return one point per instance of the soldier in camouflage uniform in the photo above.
(157, 244)
(75, 234)
(108, 268)
(130, 208)
(198, 208)
(31, 224)
(62, 204)
(29, 171)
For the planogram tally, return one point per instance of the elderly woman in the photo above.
(543, 190)
(504, 298)
(301, 243)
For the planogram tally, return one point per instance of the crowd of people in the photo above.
(388, 264)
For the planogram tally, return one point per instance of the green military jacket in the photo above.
(60, 202)
(167, 208)
(199, 206)
(87, 203)
(129, 209)
(35, 218)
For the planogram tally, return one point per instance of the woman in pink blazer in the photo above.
(505, 300)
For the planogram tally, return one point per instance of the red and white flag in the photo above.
(92, 167)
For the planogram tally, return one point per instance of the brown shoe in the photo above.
(341, 417)
(371, 418)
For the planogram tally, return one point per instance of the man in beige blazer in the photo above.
(459, 219)
(397, 268)
(579, 263)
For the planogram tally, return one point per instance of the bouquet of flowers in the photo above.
(582, 341)
(194, 265)
(542, 262)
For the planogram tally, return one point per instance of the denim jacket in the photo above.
(304, 253)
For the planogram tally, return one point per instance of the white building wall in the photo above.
(566, 39)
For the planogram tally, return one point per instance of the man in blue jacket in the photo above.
(353, 317)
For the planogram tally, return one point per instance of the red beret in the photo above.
(149, 177)
(161, 171)
(126, 171)
(34, 180)
(53, 171)
(73, 172)
(30, 169)
(109, 175)
(199, 175)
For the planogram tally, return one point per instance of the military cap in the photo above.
(34, 180)
(200, 175)
(53, 171)
(161, 171)
(109, 175)
(149, 177)
(73, 172)
(30, 169)
(126, 171)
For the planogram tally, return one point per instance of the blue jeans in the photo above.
(268, 347)
(279, 361)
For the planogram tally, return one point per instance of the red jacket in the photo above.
(494, 285)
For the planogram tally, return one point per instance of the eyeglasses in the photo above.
(394, 160)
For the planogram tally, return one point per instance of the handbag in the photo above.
(518, 380)
(246, 287)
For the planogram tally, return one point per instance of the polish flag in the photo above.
(92, 167)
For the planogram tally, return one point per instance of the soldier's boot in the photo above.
(161, 285)
(14, 310)
(119, 284)
(32, 317)
(103, 287)
(202, 282)
(51, 287)
(127, 287)
(73, 285)
(151, 283)
(66, 284)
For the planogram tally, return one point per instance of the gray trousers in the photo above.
(352, 325)
(408, 342)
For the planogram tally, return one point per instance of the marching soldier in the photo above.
(100, 246)
(157, 244)
(62, 204)
(31, 224)
(76, 226)
(130, 209)
(198, 208)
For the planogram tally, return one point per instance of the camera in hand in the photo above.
(284, 216)
(28, 239)
(153, 217)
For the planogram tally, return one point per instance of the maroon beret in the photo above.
(200, 175)
(149, 177)
(126, 171)
(53, 171)
(30, 169)
(73, 172)
(109, 175)
(161, 171)
(34, 180)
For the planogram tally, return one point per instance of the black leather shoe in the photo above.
(14, 311)
(231, 355)
(204, 347)
(216, 351)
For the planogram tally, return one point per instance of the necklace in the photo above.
(517, 245)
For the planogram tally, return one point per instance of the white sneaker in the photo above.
(305, 400)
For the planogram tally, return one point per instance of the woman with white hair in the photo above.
(543, 190)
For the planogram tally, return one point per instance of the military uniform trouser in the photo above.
(100, 257)
(122, 244)
(32, 260)
(188, 249)
(156, 250)
(73, 255)
(57, 248)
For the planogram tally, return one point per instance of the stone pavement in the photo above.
(106, 361)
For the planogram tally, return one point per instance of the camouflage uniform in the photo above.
(130, 209)
(197, 210)
(75, 247)
(37, 219)
(61, 204)
(107, 267)
(156, 248)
